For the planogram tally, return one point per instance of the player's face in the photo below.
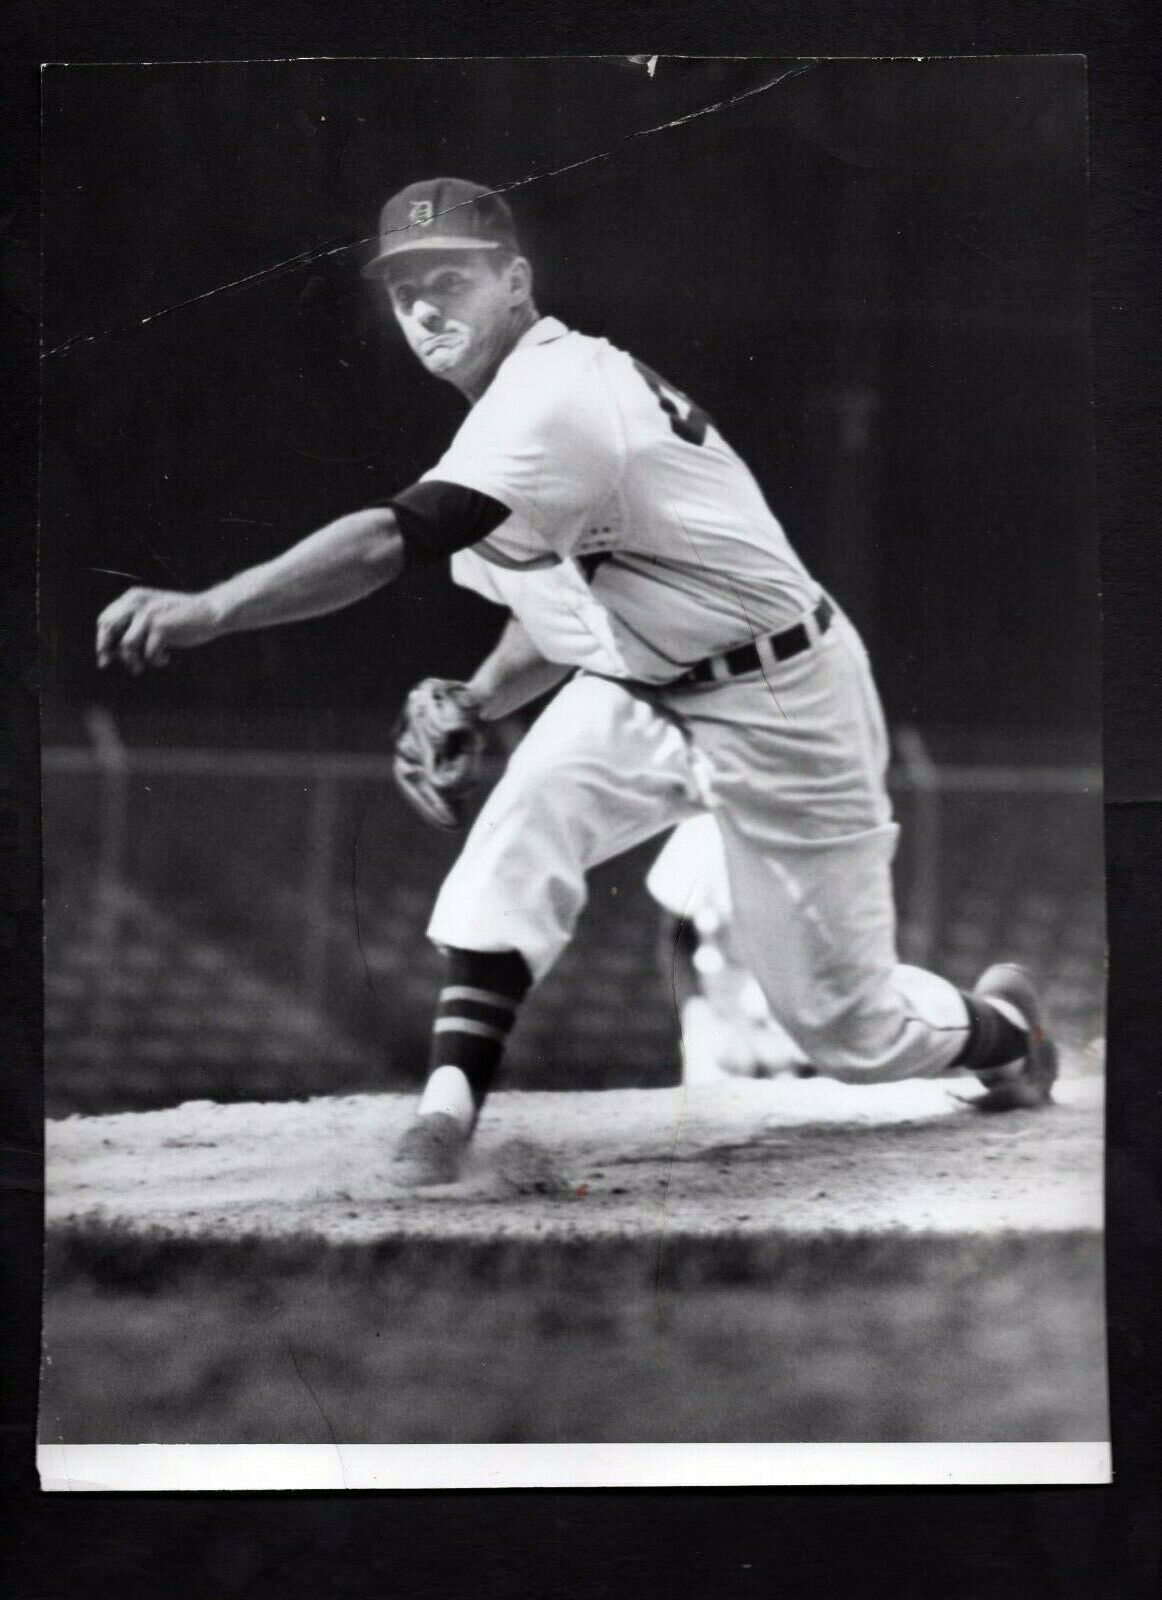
(457, 312)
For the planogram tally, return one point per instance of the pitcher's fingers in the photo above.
(132, 642)
(111, 624)
(155, 651)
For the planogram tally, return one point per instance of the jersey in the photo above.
(637, 541)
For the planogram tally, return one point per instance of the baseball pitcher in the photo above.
(700, 667)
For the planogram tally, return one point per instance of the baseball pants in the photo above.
(792, 763)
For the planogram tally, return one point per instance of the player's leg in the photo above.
(475, 1010)
(820, 928)
(818, 925)
(809, 838)
(600, 771)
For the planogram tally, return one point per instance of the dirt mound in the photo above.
(784, 1156)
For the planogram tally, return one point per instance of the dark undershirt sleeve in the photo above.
(436, 519)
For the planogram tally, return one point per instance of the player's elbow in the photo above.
(381, 549)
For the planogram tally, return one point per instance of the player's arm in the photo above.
(330, 569)
(514, 673)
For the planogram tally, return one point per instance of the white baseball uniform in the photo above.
(638, 544)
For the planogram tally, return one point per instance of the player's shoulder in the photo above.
(550, 352)
(554, 379)
(572, 372)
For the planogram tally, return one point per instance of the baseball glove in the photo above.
(438, 746)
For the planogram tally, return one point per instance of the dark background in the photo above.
(873, 275)
(1000, 1543)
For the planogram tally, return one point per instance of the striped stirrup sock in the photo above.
(475, 1012)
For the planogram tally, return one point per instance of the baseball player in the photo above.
(700, 666)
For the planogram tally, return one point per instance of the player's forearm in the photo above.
(515, 673)
(330, 569)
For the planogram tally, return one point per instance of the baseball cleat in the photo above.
(1031, 1084)
(429, 1152)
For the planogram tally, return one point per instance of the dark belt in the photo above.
(745, 658)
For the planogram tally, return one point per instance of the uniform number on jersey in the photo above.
(687, 420)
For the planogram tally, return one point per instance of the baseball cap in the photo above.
(442, 214)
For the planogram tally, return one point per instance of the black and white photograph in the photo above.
(574, 909)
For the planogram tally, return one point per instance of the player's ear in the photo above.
(519, 274)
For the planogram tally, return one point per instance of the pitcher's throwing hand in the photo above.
(142, 626)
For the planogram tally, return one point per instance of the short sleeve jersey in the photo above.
(637, 541)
